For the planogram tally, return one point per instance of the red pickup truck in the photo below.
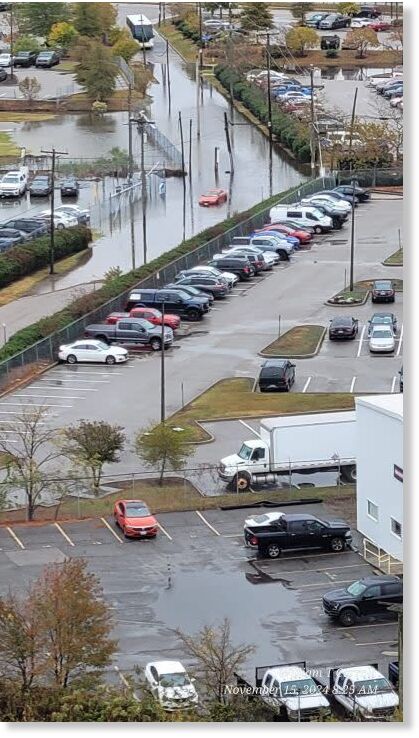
(151, 314)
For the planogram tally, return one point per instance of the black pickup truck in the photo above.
(174, 301)
(134, 331)
(366, 597)
(299, 530)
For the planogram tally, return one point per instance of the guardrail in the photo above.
(47, 348)
(380, 558)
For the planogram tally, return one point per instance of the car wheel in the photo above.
(317, 229)
(273, 551)
(337, 544)
(283, 256)
(60, 227)
(348, 473)
(110, 360)
(155, 344)
(194, 315)
(347, 617)
(71, 359)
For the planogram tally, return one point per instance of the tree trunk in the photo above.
(163, 467)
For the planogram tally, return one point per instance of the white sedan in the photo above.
(61, 219)
(361, 22)
(170, 685)
(91, 350)
(81, 214)
(382, 340)
(231, 278)
(5, 60)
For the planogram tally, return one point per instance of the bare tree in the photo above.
(28, 460)
(30, 88)
(217, 658)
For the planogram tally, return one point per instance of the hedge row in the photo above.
(114, 287)
(20, 261)
(290, 132)
(188, 31)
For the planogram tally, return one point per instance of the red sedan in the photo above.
(213, 197)
(380, 26)
(303, 236)
(154, 316)
(135, 519)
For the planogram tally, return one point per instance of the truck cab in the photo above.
(364, 692)
(253, 458)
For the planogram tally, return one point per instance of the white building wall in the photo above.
(379, 457)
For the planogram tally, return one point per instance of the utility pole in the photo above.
(230, 153)
(162, 370)
(53, 154)
(130, 162)
(159, 21)
(190, 148)
(268, 65)
(351, 273)
(11, 41)
(312, 144)
(351, 130)
(168, 76)
(200, 30)
(182, 146)
(198, 113)
(141, 122)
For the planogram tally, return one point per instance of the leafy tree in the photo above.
(362, 39)
(256, 17)
(21, 652)
(30, 88)
(347, 8)
(62, 34)
(299, 11)
(107, 704)
(38, 18)
(163, 447)
(299, 39)
(125, 45)
(213, 7)
(96, 71)
(216, 656)
(26, 42)
(94, 19)
(76, 622)
(29, 462)
(92, 444)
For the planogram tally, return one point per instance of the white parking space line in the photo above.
(81, 381)
(399, 348)
(57, 387)
(64, 534)
(164, 531)
(204, 520)
(15, 537)
(33, 404)
(249, 427)
(305, 388)
(126, 684)
(325, 584)
(376, 643)
(53, 397)
(352, 384)
(114, 533)
(393, 384)
(361, 340)
(67, 373)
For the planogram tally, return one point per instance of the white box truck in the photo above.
(321, 441)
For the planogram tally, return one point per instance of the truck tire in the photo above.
(101, 337)
(317, 229)
(110, 360)
(348, 473)
(241, 482)
(71, 359)
(155, 344)
(194, 315)
(337, 544)
(347, 616)
(283, 256)
(273, 551)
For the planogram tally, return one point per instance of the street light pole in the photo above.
(268, 65)
(312, 137)
(53, 154)
(11, 41)
(351, 273)
(162, 371)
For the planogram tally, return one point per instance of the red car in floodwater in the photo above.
(213, 197)
(303, 236)
(150, 314)
(135, 519)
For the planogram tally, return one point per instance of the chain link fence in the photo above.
(372, 177)
(46, 350)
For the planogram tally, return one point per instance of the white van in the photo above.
(308, 217)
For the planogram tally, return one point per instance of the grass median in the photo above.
(234, 398)
(184, 46)
(173, 496)
(395, 259)
(301, 341)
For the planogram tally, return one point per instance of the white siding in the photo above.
(379, 449)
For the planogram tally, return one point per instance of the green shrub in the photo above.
(20, 261)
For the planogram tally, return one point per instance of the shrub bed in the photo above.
(290, 132)
(20, 261)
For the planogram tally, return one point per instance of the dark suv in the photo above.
(32, 226)
(369, 596)
(177, 302)
(383, 291)
(25, 58)
(216, 286)
(236, 265)
(335, 20)
(276, 374)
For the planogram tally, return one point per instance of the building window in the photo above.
(396, 528)
(372, 510)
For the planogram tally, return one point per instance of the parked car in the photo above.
(382, 339)
(301, 530)
(231, 278)
(170, 685)
(340, 197)
(276, 241)
(213, 197)
(313, 19)
(382, 25)
(361, 193)
(382, 319)
(367, 11)
(132, 331)
(205, 283)
(361, 22)
(383, 291)
(5, 60)
(11, 237)
(206, 298)
(178, 302)
(276, 374)
(262, 253)
(330, 42)
(40, 186)
(24, 58)
(14, 183)
(82, 214)
(306, 215)
(335, 20)
(256, 259)
(89, 350)
(343, 326)
(369, 596)
(328, 208)
(31, 226)
(240, 266)
(3, 74)
(302, 235)
(135, 519)
(47, 59)
(61, 219)
(69, 187)
(152, 316)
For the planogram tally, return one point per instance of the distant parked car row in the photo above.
(15, 183)
(46, 59)
(25, 228)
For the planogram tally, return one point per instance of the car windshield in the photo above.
(245, 452)
(44, 55)
(299, 686)
(372, 686)
(382, 319)
(137, 511)
(11, 178)
(382, 332)
(174, 680)
(356, 589)
(382, 285)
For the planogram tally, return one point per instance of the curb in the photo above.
(400, 264)
(297, 356)
(348, 304)
(28, 380)
(271, 503)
